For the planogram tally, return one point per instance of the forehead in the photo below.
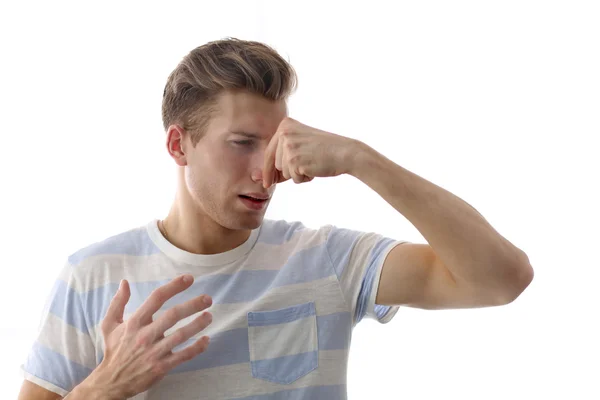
(244, 111)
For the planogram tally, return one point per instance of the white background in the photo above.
(497, 102)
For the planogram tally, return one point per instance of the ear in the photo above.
(175, 144)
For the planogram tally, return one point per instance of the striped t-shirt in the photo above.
(284, 306)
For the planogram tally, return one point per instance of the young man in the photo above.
(127, 317)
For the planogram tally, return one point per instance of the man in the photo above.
(127, 316)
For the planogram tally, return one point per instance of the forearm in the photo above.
(467, 244)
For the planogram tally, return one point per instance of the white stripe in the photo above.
(273, 257)
(79, 346)
(278, 340)
(98, 271)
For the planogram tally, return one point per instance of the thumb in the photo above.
(116, 309)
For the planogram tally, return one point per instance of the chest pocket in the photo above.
(283, 343)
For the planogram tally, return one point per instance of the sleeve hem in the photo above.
(45, 384)
(392, 310)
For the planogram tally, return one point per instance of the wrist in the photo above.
(359, 159)
(84, 391)
(92, 389)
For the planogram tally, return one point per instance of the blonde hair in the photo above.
(192, 89)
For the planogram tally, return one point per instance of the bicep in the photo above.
(31, 391)
(414, 276)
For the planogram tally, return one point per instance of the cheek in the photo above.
(210, 178)
(236, 163)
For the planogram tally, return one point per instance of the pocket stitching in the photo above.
(258, 375)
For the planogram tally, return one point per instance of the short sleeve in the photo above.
(63, 354)
(357, 259)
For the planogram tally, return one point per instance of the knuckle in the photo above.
(187, 355)
(159, 369)
(142, 341)
(172, 314)
(158, 295)
(200, 323)
(203, 302)
(131, 323)
(179, 336)
(286, 121)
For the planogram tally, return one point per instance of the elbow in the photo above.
(522, 277)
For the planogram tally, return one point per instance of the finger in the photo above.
(116, 308)
(296, 176)
(279, 155)
(184, 333)
(284, 162)
(178, 357)
(158, 297)
(269, 162)
(286, 171)
(168, 319)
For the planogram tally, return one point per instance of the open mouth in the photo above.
(253, 199)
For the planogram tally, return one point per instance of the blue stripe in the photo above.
(226, 348)
(134, 242)
(381, 311)
(231, 347)
(55, 368)
(334, 331)
(66, 304)
(284, 315)
(375, 259)
(331, 392)
(244, 286)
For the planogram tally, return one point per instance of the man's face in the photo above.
(226, 164)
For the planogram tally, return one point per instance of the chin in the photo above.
(242, 222)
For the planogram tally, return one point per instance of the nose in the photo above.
(257, 175)
(257, 163)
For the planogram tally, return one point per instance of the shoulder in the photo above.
(133, 242)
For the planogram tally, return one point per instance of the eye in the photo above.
(243, 142)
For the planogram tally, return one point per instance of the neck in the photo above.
(197, 233)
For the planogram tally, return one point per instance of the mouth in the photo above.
(253, 202)
(256, 196)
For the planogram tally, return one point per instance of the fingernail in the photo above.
(187, 279)
(207, 300)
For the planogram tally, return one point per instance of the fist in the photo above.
(301, 153)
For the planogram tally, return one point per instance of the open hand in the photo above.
(137, 354)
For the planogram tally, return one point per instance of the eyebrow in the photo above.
(246, 134)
